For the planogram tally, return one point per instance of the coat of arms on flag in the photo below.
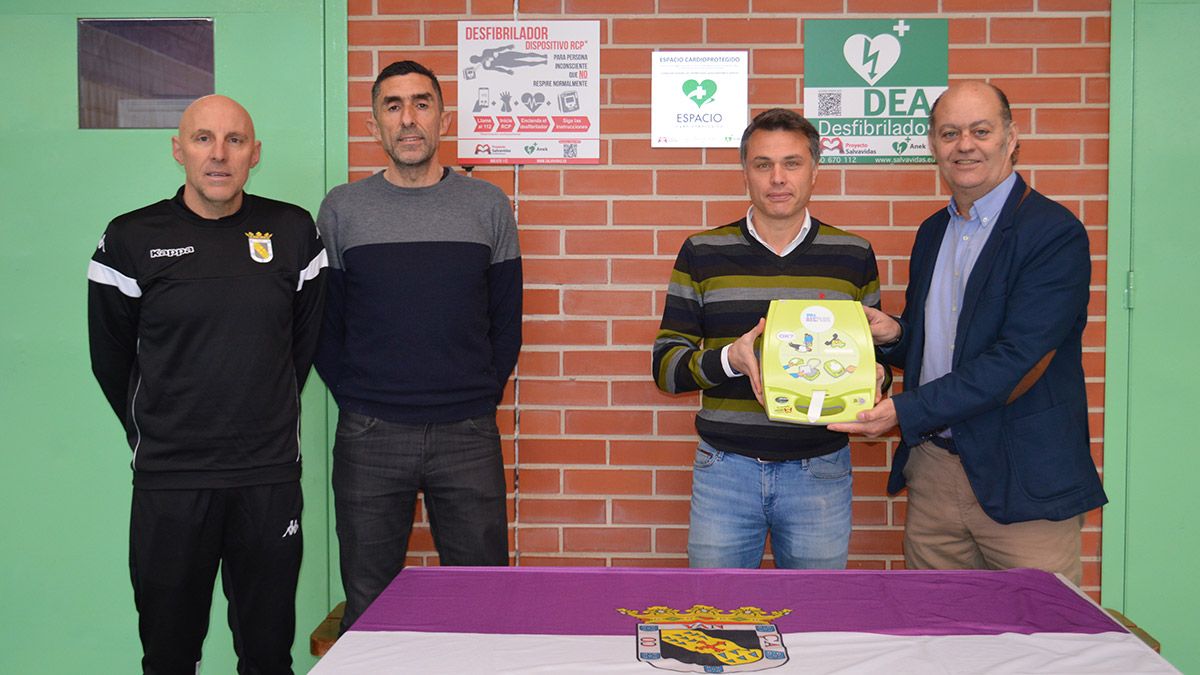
(260, 247)
(704, 639)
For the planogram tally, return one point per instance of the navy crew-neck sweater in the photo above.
(423, 319)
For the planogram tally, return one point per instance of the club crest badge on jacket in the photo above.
(260, 247)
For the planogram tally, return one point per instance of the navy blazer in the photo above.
(1015, 398)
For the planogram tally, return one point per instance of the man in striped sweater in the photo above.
(753, 476)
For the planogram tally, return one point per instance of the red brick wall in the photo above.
(603, 457)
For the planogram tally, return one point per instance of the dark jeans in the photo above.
(177, 538)
(378, 468)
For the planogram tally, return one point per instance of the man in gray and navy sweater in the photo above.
(422, 330)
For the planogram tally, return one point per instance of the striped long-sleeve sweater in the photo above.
(723, 283)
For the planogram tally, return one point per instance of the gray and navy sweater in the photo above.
(423, 320)
(202, 333)
(723, 282)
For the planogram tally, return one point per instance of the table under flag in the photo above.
(614, 620)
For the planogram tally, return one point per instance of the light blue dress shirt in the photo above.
(964, 239)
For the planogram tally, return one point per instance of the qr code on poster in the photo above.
(570, 150)
(829, 104)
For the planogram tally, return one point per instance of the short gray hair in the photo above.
(777, 119)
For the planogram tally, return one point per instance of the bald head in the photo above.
(206, 107)
(217, 149)
(973, 139)
(977, 88)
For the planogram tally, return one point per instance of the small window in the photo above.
(142, 73)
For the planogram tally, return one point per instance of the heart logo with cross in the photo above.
(699, 92)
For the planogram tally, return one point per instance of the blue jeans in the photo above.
(378, 468)
(737, 500)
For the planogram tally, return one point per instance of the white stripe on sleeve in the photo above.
(314, 268)
(103, 274)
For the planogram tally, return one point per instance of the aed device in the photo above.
(818, 361)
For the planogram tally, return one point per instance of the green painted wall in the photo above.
(1151, 536)
(67, 481)
(65, 581)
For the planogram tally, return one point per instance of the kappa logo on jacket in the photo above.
(260, 247)
(292, 528)
(172, 252)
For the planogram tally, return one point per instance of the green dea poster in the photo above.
(869, 84)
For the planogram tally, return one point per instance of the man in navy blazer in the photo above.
(993, 419)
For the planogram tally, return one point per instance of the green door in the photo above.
(66, 486)
(1152, 536)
